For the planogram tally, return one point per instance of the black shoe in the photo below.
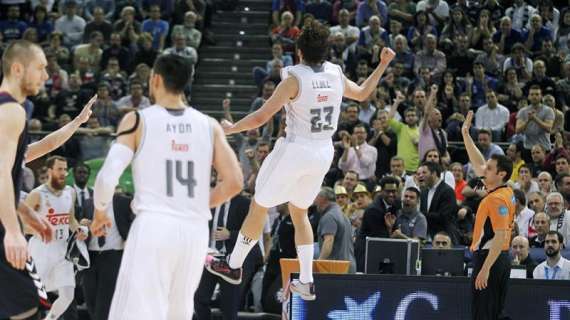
(221, 268)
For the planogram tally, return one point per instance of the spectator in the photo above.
(351, 120)
(483, 30)
(188, 29)
(361, 198)
(180, 48)
(421, 28)
(491, 59)
(371, 38)
(433, 156)
(117, 51)
(70, 25)
(555, 267)
(462, 57)
(156, 27)
(128, 27)
(410, 222)
(385, 141)
(374, 221)
(539, 78)
(437, 10)
(510, 91)
(48, 4)
(42, 23)
(98, 23)
(135, 101)
(334, 230)
(455, 121)
(558, 125)
(407, 133)
(541, 223)
(95, 144)
(506, 37)
(563, 34)
(397, 166)
(535, 121)
(524, 182)
(266, 92)
(343, 54)
(80, 4)
(514, 153)
(559, 217)
(91, 52)
(550, 16)
(438, 201)
(321, 9)
(146, 53)
(369, 8)
(520, 14)
(441, 240)
(12, 28)
(358, 155)
(536, 202)
(537, 34)
(538, 154)
(55, 46)
(431, 134)
(545, 184)
(58, 78)
(561, 165)
(460, 183)
(403, 11)
(278, 57)
(492, 116)
(115, 78)
(351, 33)
(520, 249)
(563, 89)
(69, 101)
(459, 24)
(520, 62)
(141, 74)
(286, 32)
(563, 186)
(479, 84)
(403, 55)
(349, 182)
(107, 9)
(105, 109)
(431, 58)
(296, 8)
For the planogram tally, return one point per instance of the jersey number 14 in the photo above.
(183, 172)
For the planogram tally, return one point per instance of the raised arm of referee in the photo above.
(492, 231)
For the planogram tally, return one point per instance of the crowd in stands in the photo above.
(399, 171)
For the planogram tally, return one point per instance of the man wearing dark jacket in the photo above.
(374, 218)
(438, 202)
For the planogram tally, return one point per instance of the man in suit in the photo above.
(438, 202)
(105, 254)
(81, 173)
(224, 229)
(374, 219)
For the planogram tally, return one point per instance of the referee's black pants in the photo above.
(99, 282)
(488, 304)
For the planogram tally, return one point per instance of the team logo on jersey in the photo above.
(503, 211)
(322, 98)
(57, 218)
(179, 147)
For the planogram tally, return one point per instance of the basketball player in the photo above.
(172, 148)
(312, 92)
(24, 70)
(55, 201)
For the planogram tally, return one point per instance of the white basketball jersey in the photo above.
(56, 209)
(314, 113)
(172, 165)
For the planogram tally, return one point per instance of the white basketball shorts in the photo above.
(161, 268)
(293, 172)
(54, 271)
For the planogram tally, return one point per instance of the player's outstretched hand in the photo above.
(101, 222)
(38, 223)
(227, 126)
(387, 55)
(467, 124)
(16, 249)
(86, 112)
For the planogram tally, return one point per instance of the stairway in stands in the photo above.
(225, 70)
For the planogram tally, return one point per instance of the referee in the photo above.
(492, 231)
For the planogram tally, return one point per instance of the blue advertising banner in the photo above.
(382, 297)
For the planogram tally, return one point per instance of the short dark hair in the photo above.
(433, 167)
(557, 234)
(353, 172)
(414, 190)
(559, 179)
(388, 180)
(314, 42)
(50, 162)
(359, 125)
(410, 109)
(17, 51)
(176, 72)
(524, 165)
(262, 144)
(520, 196)
(559, 156)
(485, 131)
(503, 164)
(82, 165)
(535, 87)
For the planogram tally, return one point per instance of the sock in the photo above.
(305, 253)
(241, 250)
(61, 303)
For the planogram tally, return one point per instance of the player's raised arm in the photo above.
(55, 139)
(285, 91)
(118, 159)
(475, 157)
(230, 176)
(12, 119)
(363, 91)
